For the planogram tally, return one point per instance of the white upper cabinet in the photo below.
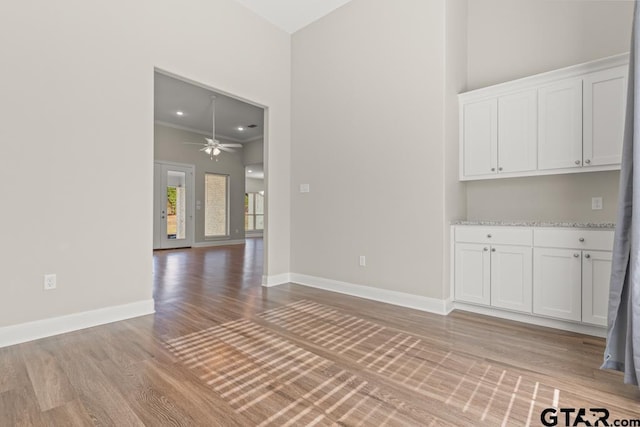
(517, 133)
(564, 121)
(560, 125)
(480, 138)
(605, 94)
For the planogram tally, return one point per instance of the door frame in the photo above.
(157, 202)
(266, 138)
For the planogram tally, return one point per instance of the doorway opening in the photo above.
(221, 137)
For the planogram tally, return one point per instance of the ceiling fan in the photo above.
(213, 147)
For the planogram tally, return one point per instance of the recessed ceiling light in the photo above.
(179, 113)
(240, 128)
(249, 171)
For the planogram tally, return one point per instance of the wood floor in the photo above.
(222, 350)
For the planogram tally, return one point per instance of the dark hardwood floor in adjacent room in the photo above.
(222, 350)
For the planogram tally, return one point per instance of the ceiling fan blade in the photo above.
(224, 148)
(231, 145)
(203, 149)
(209, 141)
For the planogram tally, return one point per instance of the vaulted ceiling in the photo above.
(292, 15)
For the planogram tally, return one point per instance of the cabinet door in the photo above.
(596, 272)
(557, 283)
(605, 94)
(511, 277)
(472, 273)
(560, 125)
(480, 138)
(517, 132)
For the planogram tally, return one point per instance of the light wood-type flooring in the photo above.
(222, 350)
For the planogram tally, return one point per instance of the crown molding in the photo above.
(207, 134)
(186, 128)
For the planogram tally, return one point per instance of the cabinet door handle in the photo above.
(493, 169)
(493, 249)
(581, 240)
(587, 161)
(499, 169)
(578, 162)
(576, 255)
(485, 249)
(488, 236)
(587, 256)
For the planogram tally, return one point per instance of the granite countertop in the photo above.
(605, 225)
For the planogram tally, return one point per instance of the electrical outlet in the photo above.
(596, 203)
(363, 261)
(49, 282)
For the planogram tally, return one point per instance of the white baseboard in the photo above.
(579, 328)
(275, 280)
(430, 305)
(16, 334)
(218, 243)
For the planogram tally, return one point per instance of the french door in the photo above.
(173, 205)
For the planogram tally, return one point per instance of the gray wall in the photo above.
(253, 185)
(455, 202)
(81, 83)
(545, 198)
(253, 152)
(168, 144)
(511, 39)
(367, 135)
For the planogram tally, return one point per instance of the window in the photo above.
(254, 211)
(216, 205)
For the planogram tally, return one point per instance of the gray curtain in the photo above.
(623, 336)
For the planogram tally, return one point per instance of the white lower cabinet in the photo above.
(473, 273)
(559, 273)
(557, 283)
(596, 273)
(511, 281)
(493, 267)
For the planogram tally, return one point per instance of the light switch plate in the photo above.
(304, 188)
(596, 203)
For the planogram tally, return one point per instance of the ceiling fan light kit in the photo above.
(213, 148)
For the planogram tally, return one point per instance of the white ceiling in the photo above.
(172, 95)
(292, 15)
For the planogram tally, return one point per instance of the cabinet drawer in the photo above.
(574, 239)
(495, 235)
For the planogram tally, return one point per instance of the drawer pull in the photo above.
(488, 236)
(576, 255)
(587, 256)
(581, 239)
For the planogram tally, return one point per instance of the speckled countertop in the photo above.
(606, 225)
